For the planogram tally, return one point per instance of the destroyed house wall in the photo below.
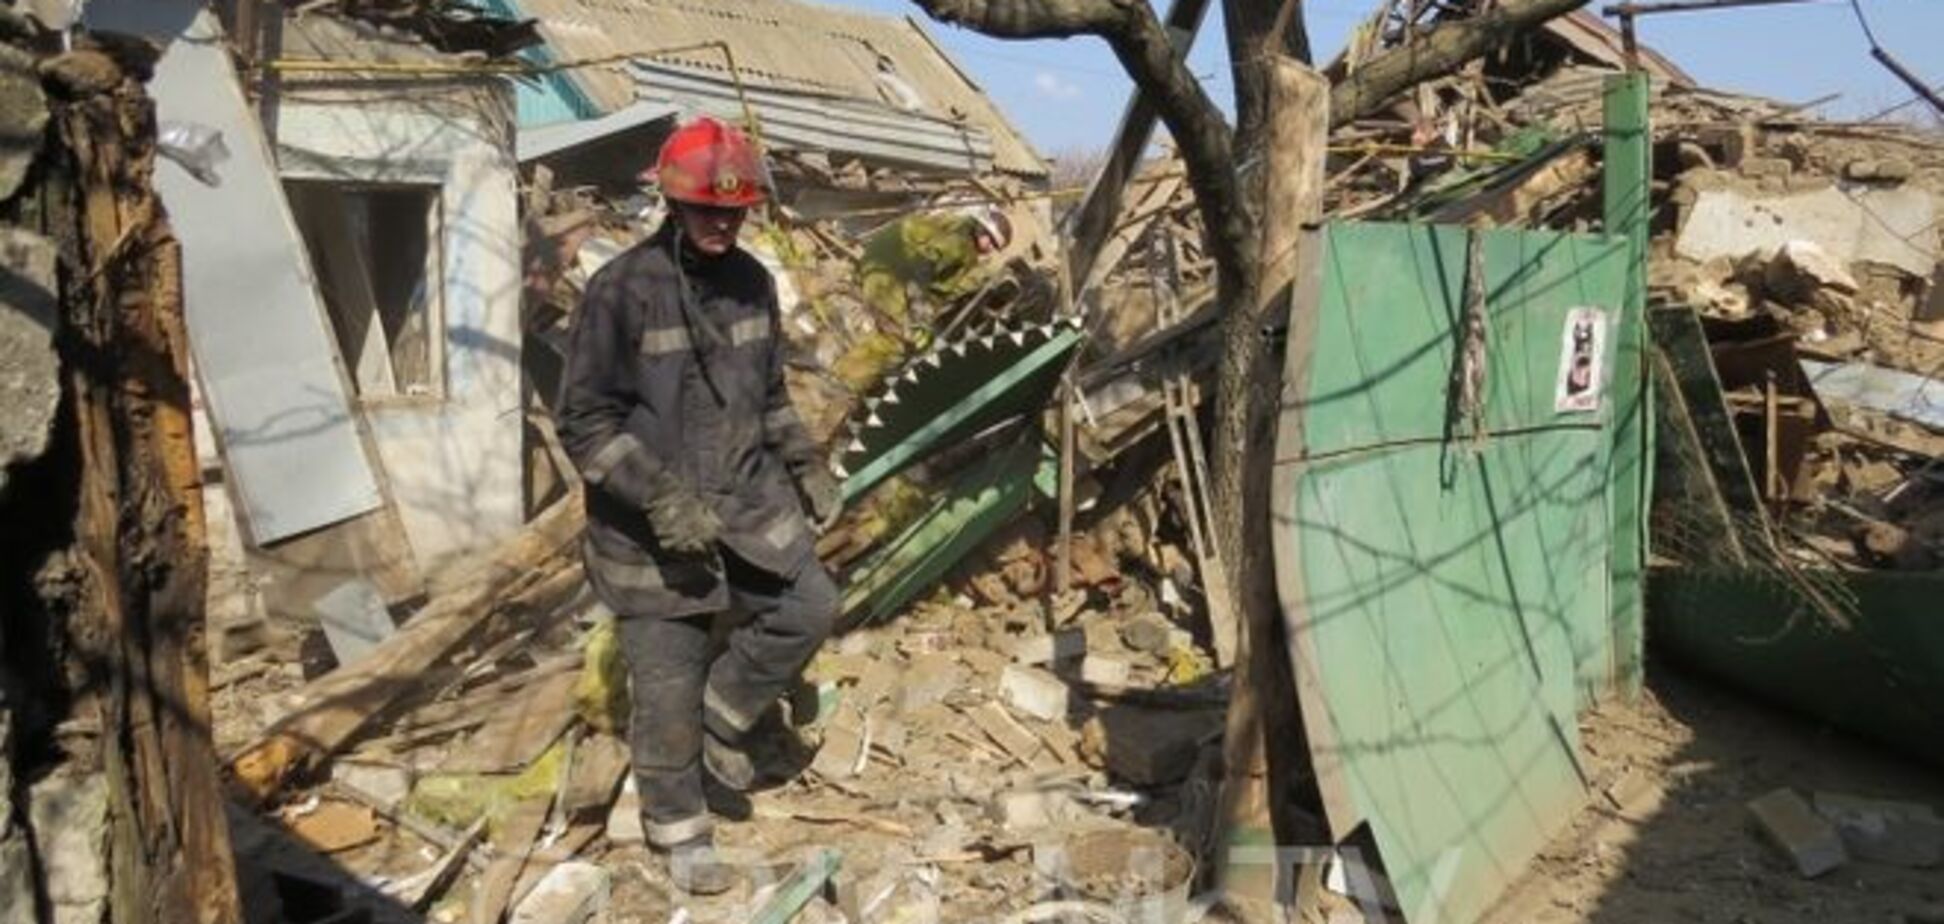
(451, 452)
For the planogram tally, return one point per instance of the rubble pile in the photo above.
(951, 753)
(1787, 233)
(1826, 236)
(951, 747)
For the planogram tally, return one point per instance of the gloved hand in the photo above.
(684, 523)
(823, 495)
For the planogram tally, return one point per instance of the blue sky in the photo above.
(1067, 94)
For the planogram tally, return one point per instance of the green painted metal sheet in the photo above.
(983, 497)
(1626, 173)
(1882, 676)
(955, 390)
(1447, 593)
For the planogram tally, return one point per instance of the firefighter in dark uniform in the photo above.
(703, 490)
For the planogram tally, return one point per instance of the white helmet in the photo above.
(993, 222)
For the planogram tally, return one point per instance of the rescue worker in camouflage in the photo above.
(703, 492)
(937, 256)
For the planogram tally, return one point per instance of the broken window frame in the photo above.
(429, 387)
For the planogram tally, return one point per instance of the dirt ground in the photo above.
(1680, 846)
(1666, 836)
(1682, 763)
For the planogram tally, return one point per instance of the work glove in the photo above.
(684, 523)
(822, 495)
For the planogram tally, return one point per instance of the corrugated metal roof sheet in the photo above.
(824, 122)
(785, 47)
(547, 140)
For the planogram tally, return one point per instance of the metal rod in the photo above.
(1624, 10)
(1904, 74)
(511, 68)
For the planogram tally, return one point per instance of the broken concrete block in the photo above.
(1105, 672)
(932, 678)
(1030, 809)
(1812, 843)
(1035, 692)
(383, 785)
(571, 893)
(889, 735)
(30, 389)
(843, 747)
(1147, 747)
(25, 106)
(1063, 645)
(1882, 831)
(880, 679)
(1147, 632)
(1759, 167)
(1887, 225)
(69, 816)
(624, 819)
(1894, 170)
(16, 880)
(984, 662)
(1799, 268)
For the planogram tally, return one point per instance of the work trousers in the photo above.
(685, 685)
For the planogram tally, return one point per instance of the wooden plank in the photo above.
(512, 849)
(1093, 220)
(1155, 201)
(1184, 438)
(600, 764)
(1004, 730)
(522, 728)
(343, 703)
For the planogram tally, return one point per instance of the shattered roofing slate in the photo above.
(783, 46)
(1595, 38)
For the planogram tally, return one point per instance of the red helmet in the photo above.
(707, 162)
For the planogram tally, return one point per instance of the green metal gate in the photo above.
(1448, 488)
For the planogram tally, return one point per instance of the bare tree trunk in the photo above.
(1290, 188)
(1258, 29)
(114, 777)
(1285, 111)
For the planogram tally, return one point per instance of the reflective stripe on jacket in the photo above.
(660, 398)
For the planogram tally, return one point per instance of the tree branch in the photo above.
(1436, 53)
(1016, 19)
(1258, 29)
(1141, 43)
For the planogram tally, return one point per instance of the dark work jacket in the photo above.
(657, 398)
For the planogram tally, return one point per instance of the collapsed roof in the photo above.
(874, 87)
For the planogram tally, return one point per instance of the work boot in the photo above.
(729, 763)
(725, 803)
(695, 868)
